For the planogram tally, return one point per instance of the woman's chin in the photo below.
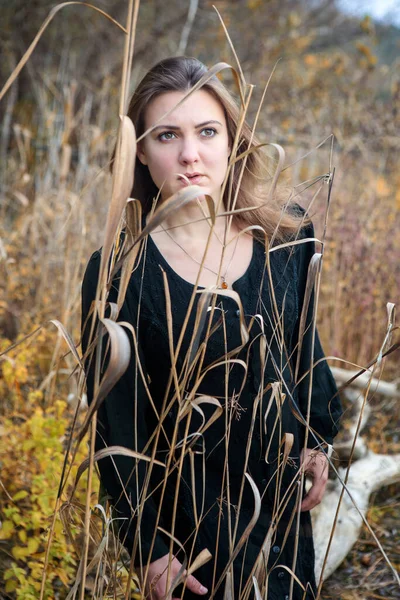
(199, 199)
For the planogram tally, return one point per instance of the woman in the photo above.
(218, 391)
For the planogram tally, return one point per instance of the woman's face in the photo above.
(192, 140)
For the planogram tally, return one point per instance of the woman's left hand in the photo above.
(315, 465)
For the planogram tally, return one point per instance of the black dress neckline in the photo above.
(168, 267)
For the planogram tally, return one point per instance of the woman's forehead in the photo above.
(199, 107)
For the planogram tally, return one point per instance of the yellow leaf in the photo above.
(36, 519)
(7, 529)
(22, 535)
(35, 397)
(63, 576)
(33, 545)
(11, 585)
(17, 518)
(20, 495)
(19, 552)
(58, 527)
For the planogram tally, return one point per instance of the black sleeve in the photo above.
(325, 410)
(122, 421)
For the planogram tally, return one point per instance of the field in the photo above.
(333, 104)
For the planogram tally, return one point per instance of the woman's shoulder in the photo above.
(302, 249)
(144, 287)
(93, 264)
(92, 269)
(300, 212)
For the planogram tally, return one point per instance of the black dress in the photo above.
(259, 401)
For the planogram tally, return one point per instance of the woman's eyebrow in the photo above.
(176, 128)
(207, 123)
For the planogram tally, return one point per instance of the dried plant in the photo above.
(61, 223)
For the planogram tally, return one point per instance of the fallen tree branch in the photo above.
(386, 388)
(366, 476)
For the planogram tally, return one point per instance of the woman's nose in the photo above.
(189, 153)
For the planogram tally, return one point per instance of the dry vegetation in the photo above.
(58, 124)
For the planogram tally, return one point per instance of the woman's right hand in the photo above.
(156, 584)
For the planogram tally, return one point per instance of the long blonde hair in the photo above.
(273, 212)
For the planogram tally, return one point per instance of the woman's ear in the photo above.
(140, 153)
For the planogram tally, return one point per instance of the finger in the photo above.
(314, 495)
(195, 586)
(309, 501)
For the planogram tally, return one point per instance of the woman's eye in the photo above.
(166, 135)
(208, 132)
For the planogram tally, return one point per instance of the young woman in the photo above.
(218, 394)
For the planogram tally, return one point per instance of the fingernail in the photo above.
(203, 590)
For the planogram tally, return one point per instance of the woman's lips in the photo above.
(191, 179)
